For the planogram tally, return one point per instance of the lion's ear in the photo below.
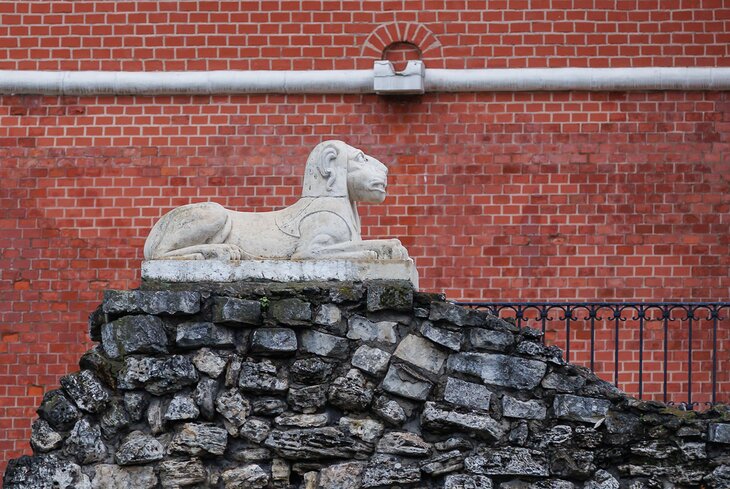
(327, 165)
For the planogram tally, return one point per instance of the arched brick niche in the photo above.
(403, 41)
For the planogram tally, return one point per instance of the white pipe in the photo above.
(591, 79)
(184, 82)
(358, 81)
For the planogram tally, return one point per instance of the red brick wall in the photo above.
(509, 196)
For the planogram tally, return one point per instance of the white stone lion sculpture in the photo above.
(324, 223)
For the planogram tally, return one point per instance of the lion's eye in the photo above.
(361, 157)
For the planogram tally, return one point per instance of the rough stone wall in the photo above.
(346, 386)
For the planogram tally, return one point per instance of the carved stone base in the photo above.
(279, 270)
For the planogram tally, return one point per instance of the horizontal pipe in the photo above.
(358, 81)
(583, 79)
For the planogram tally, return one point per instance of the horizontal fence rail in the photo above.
(674, 352)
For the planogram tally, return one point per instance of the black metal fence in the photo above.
(678, 350)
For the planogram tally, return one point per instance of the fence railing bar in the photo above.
(642, 314)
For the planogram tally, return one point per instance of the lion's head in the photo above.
(336, 169)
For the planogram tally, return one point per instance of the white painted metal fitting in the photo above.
(387, 81)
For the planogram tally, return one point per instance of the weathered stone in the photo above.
(58, 410)
(255, 429)
(323, 344)
(273, 340)
(280, 471)
(307, 399)
(86, 390)
(386, 470)
(719, 433)
(371, 360)
(197, 334)
(346, 475)
(311, 371)
(236, 311)
(261, 377)
(442, 419)
(234, 408)
(519, 433)
(293, 312)
(463, 481)
(97, 361)
(134, 334)
(563, 383)
(656, 449)
(155, 412)
(460, 316)
(302, 420)
(109, 476)
(619, 422)
(443, 463)
(363, 329)
(181, 407)
(693, 450)
(351, 392)
(720, 477)
(315, 443)
(576, 408)
(508, 461)
(403, 443)
(538, 484)
(444, 337)
(588, 437)
(115, 419)
(151, 302)
(84, 443)
(467, 394)
(382, 295)
(485, 339)
(233, 370)
(268, 406)
(329, 315)
(44, 472)
(248, 454)
(247, 477)
(210, 362)
(454, 443)
(158, 376)
(135, 404)
(368, 430)
(138, 448)
(514, 408)
(557, 435)
(182, 473)
(602, 480)
(493, 368)
(421, 353)
(43, 438)
(404, 382)
(390, 411)
(200, 439)
(572, 463)
(204, 397)
(96, 320)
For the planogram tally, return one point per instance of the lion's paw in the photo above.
(223, 252)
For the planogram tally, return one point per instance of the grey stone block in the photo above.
(397, 296)
(200, 439)
(198, 334)
(86, 390)
(514, 408)
(577, 408)
(323, 344)
(360, 328)
(158, 376)
(406, 383)
(236, 311)
(151, 302)
(444, 337)
(719, 433)
(421, 353)
(133, 334)
(493, 368)
(485, 339)
(138, 448)
(274, 340)
(508, 461)
(371, 360)
(292, 312)
(467, 394)
(441, 418)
